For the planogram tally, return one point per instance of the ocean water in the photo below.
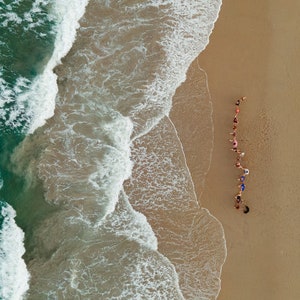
(97, 201)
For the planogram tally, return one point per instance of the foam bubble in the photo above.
(14, 275)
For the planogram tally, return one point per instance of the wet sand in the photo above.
(253, 52)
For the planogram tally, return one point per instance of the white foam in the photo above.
(44, 88)
(39, 100)
(11, 17)
(192, 24)
(133, 225)
(14, 275)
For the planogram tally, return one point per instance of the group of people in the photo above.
(239, 202)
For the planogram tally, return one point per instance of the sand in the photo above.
(253, 52)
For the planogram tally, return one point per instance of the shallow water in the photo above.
(86, 233)
(162, 189)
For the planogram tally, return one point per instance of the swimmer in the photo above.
(233, 133)
(246, 171)
(237, 110)
(234, 127)
(236, 205)
(242, 187)
(235, 120)
(246, 209)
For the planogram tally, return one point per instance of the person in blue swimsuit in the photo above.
(242, 186)
(242, 178)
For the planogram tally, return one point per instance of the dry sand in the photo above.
(253, 52)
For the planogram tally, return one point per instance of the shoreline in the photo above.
(252, 52)
(192, 118)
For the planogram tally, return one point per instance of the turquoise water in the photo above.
(77, 228)
(27, 35)
(26, 43)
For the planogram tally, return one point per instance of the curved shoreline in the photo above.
(182, 119)
(252, 52)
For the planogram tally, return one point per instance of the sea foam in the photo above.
(44, 87)
(34, 102)
(14, 275)
(120, 73)
(186, 35)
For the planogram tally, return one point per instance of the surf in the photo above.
(114, 94)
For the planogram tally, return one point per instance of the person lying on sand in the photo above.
(242, 187)
(240, 153)
(242, 178)
(233, 133)
(246, 171)
(238, 197)
(238, 200)
(238, 165)
(238, 102)
(234, 142)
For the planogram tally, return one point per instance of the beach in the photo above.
(252, 52)
(116, 175)
(94, 185)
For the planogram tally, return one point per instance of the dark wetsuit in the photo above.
(246, 209)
